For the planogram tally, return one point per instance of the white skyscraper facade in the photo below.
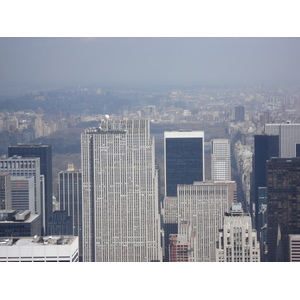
(220, 159)
(201, 208)
(237, 240)
(120, 216)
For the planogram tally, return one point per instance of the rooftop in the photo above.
(13, 216)
(38, 241)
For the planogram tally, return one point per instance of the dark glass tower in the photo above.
(184, 164)
(265, 147)
(70, 199)
(44, 152)
(184, 159)
(70, 195)
(283, 201)
(239, 113)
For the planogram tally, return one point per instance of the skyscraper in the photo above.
(183, 164)
(184, 159)
(220, 159)
(265, 147)
(239, 113)
(289, 138)
(283, 202)
(201, 208)
(70, 195)
(22, 193)
(27, 167)
(120, 220)
(70, 199)
(44, 152)
(237, 240)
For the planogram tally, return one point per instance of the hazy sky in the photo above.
(149, 61)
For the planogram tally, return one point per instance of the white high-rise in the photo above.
(220, 159)
(201, 208)
(237, 240)
(120, 217)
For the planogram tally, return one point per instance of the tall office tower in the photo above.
(220, 160)
(22, 193)
(39, 249)
(265, 147)
(120, 219)
(184, 159)
(5, 191)
(237, 240)
(184, 164)
(289, 138)
(283, 202)
(70, 195)
(27, 167)
(44, 152)
(239, 113)
(201, 208)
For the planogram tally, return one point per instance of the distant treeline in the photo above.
(68, 104)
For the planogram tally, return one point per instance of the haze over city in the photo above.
(53, 88)
(144, 62)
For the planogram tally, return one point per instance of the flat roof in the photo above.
(184, 134)
(38, 241)
(30, 218)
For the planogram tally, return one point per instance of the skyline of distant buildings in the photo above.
(188, 218)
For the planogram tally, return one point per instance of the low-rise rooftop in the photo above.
(37, 241)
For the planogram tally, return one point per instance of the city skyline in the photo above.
(56, 68)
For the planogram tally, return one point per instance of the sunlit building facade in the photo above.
(201, 208)
(237, 240)
(220, 159)
(120, 219)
